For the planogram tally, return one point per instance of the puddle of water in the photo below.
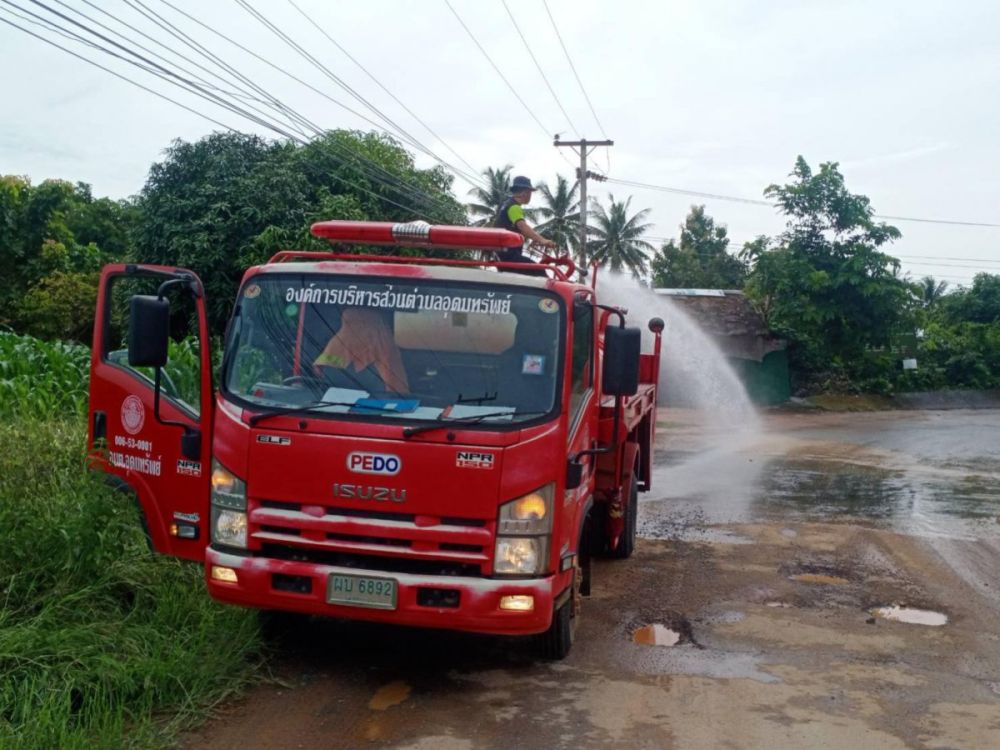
(778, 605)
(656, 635)
(912, 616)
(389, 695)
(820, 578)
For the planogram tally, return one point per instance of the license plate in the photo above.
(361, 591)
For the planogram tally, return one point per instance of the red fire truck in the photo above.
(434, 442)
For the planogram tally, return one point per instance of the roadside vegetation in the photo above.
(102, 644)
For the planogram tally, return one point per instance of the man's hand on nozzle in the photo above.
(546, 243)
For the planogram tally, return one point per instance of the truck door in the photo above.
(160, 452)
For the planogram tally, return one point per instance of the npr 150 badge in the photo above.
(386, 464)
(474, 460)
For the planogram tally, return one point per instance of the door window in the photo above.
(180, 379)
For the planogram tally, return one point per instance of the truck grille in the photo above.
(372, 539)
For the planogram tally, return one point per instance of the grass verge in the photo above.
(102, 643)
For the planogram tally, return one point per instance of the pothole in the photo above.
(656, 635)
(899, 613)
(820, 578)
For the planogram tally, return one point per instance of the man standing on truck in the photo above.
(511, 217)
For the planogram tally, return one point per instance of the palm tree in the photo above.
(930, 290)
(488, 201)
(561, 212)
(617, 239)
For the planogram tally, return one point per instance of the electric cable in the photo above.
(378, 83)
(473, 180)
(408, 209)
(539, 68)
(759, 202)
(600, 127)
(415, 189)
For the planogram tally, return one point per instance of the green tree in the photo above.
(617, 237)
(231, 200)
(487, 201)
(980, 303)
(701, 259)
(824, 282)
(54, 237)
(930, 291)
(560, 211)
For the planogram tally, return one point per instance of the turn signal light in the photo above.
(226, 575)
(517, 602)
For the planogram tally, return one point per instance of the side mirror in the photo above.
(148, 331)
(621, 361)
(574, 474)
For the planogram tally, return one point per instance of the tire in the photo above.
(626, 545)
(554, 644)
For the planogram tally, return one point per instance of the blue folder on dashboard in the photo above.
(398, 405)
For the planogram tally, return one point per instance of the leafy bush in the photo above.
(60, 306)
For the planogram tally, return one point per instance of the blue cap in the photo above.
(520, 183)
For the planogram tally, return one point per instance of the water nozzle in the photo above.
(656, 325)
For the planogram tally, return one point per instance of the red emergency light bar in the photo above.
(415, 234)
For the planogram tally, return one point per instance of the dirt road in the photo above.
(766, 555)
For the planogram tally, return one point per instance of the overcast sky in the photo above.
(709, 95)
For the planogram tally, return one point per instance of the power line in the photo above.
(540, 71)
(415, 189)
(408, 209)
(473, 180)
(372, 170)
(758, 202)
(576, 75)
(169, 62)
(548, 133)
(378, 83)
(276, 104)
(114, 73)
(161, 72)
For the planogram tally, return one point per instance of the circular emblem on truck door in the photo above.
(133, 414)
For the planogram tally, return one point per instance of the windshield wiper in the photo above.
(314, 405)
(472, 419)
(487, 396)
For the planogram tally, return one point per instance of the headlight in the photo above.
(521, 555)
(229, 527)
(523, 529)
(229, 504)
(228, 490)
(528, 514)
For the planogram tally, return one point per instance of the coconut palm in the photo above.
(488, 200)
(616, 237)
(561, 212)
(930, 290)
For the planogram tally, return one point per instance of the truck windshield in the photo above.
(419, 351)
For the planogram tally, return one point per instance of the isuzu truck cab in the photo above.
(433, 442)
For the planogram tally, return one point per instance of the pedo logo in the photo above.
(361, 462)
(133, 414)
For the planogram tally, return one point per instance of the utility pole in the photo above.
(584, 148)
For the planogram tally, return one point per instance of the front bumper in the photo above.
(478, 609)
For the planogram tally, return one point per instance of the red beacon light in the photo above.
(422, 234)
(416, 234)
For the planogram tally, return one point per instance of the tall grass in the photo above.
(102, 643)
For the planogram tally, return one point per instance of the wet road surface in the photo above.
(774, 567)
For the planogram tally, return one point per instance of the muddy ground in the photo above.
(766, 553)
